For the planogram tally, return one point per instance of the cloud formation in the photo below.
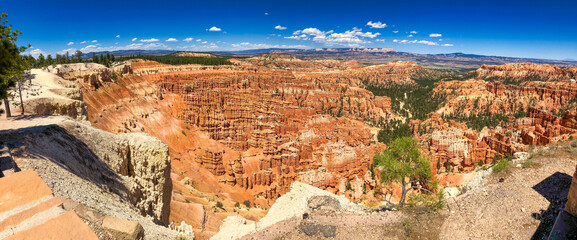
(70, 43)
(372, 24)
(214, 29)
(413, 32)
(117, 36)
(134, 39)
(94, 41)
(188, 39)
(435, 35)
(36, 52)
(248, 45)
(149, 40)
(171, 40)
(279, 27)
(425, 42)
(351, 38)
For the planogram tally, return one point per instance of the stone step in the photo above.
(36, 219)
(21, 190)
(21, 216)
(7, 164)
(66, 226)
(29, 210)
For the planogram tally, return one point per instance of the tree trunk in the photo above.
(7, 106)
(20, 82)
(403, 193)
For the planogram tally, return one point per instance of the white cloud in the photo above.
(417, 41)
(83, 42)
(395, 31)
(205, 42)
(98, 48)
(70, 43)
(413, 32)
(296, 37)
(435, 35)
(379, 40)
(94, 41)
(149, 40)
(36, 52)
(447, 45)
(68, 50)
(279, 27)
(199, 40)
(411, 35)
(117, 36)
(376, 24)
(266, 13)
(351, 38)
(214, 29)
(134, 39)
(188, 39)
(428, 43)
(171, 40)
(247, 45)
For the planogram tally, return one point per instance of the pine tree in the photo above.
(402, 161)
(9, 56)
(49, 60)
(41, 60)
(78, 56)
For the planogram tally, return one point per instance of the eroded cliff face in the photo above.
(243, 132)
(519, 72)
(522, 115)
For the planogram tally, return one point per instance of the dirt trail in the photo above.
(523, 206)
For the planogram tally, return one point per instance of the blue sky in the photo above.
(538, 29)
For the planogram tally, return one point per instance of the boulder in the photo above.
(123, 229)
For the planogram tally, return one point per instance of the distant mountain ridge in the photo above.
(371, 56)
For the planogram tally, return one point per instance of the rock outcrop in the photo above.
(49, 94)
(300, 201)
(135, 166)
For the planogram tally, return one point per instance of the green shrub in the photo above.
(531, 164)
(501, 165)
(219, 205)
(183, 133)
(237, 205)
(246, 203)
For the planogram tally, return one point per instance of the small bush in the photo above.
(183, 133)
(246, 203)
(427, 202)
(219, 205)
(237, 205)
(531, 164)
(501, 165)
(408, 228)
